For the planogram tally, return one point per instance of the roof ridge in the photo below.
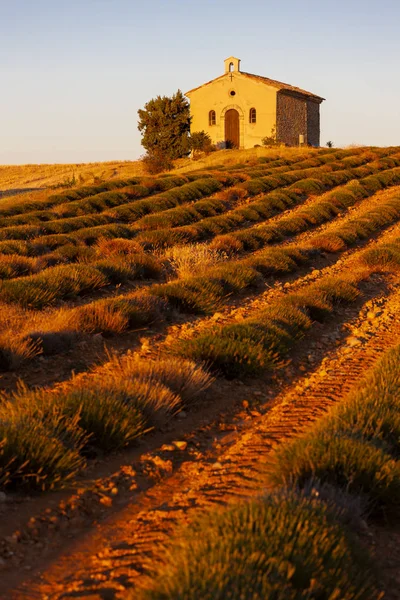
(283, 85)
(274, 82)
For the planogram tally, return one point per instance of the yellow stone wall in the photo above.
(249, 93)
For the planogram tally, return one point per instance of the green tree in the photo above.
(165, 126)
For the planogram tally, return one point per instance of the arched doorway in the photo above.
(232, 130)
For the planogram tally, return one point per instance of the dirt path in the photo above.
(93, 349)
(74, 549)
(224, 459)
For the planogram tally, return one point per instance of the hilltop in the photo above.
(58, 175)
(44, 176)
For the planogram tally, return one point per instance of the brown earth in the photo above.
(98, 545)
(95, 540)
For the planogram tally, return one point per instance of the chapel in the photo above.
(241, 109)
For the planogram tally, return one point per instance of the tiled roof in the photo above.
(267, 81)
(283, 86)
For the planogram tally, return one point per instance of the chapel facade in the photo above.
(241, 109)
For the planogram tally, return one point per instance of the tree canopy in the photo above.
(165, 126)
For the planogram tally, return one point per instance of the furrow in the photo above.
(123, 549)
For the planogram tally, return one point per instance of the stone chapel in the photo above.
(241, 109)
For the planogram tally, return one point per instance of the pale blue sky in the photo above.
(74, 73)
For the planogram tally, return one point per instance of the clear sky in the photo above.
(74, 72)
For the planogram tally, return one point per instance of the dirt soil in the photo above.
(97, 540)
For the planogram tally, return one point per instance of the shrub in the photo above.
(386, 256)
(309, 186)
(15, 350)
(261, 342)
(90, 235)
(192, 258)
(39, 445)
(118, 246)
(355, 445)
(156, 401)
(372, 184)
(234, 276)
(228, 355)
(161, 238)
(317, 305)
(70, 253)
(31, 218)
(105, 412)
(372, 411)
(110, 199)
(43, 289)
(156, 162)
(345, 461)
(45, 243)
(228, 244)
(191, 191)
(103, 316)
(113, 315)
(271, 139)
(317, 213)
(182, 215)
(255, 186)
(197, 295)
(20, 247)
(328, 242)
(14, 266)
(336, 289)
(45, 433)
(117, 269)
(232, 195)
(280, 547)
(200, 141)
(20, 232)
(27, 294)
(272, 261)
(184, 377)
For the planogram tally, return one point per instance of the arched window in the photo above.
(253, 115)
(231, 67)
(211, 117)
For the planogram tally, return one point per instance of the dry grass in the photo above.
(185, 261)
(39, 176)
(248, 157)
(116, 247)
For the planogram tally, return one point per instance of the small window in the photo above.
(253, 116)
(232, 93)
(211, 117)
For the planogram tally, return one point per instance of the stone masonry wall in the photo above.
(313, 123)
(291, 119)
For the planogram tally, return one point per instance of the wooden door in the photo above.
(232, 127)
